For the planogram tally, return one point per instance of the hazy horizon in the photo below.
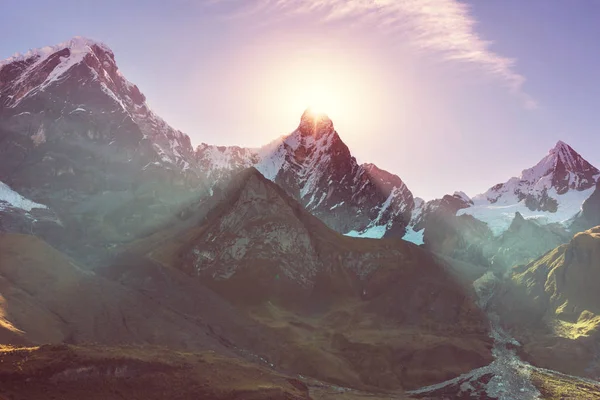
(422, 94)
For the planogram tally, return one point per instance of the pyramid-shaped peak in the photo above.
(559, 171)
(564, 154)
(561, 156)
(315, 123)
(561, 146)
(313, 113)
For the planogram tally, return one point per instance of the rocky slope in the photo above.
(21, 215)
(342, 305)
(552, 306)
(589, 216)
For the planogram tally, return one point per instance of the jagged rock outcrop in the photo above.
(589, 216)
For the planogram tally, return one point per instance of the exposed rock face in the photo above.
(75, 91)
(218, 163)
(259, 223)
(445, 207)
(459, 237)
(319, 171)
(553, 307)
(263, 251)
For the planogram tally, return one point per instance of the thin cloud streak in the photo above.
(442, 27)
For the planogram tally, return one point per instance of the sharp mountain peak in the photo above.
(315, 123)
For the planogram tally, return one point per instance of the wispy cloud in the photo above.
(445, 28)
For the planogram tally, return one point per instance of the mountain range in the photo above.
(291, 261)
(72, 98)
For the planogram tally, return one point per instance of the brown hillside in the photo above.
(47, 298)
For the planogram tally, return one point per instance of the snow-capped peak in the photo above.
(24, 75)
(78, 45)
(561, 156)
(84, 73)
(553, 190)
(562, 169)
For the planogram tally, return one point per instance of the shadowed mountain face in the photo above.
(589, 216)
(48, 298)
(368, 314)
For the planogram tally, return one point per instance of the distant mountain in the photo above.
(516, 221)
(551, 191)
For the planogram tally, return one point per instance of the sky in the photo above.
(449, 95)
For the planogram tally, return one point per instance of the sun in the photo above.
(320, 99)
(326, 82)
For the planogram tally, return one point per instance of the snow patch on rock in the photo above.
(14, 199)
